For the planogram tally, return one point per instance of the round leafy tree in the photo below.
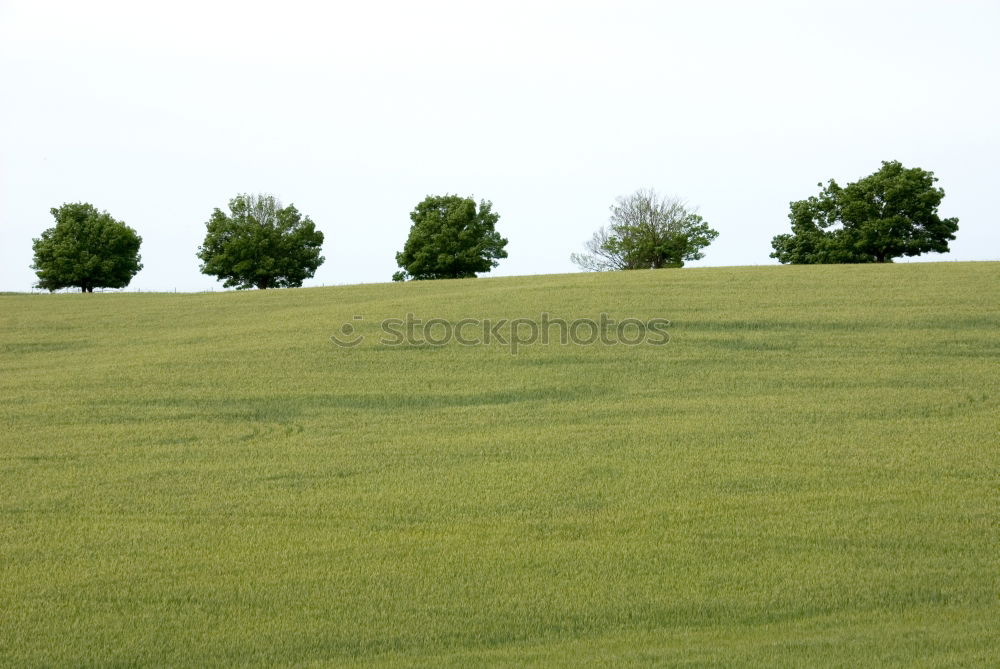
(260, 244)
(891, 213)
(451, 238)
(86, 249)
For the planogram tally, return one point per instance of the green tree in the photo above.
(891, 213)
(646, 231)
(86, 249)
(450, 239)
(260, 244)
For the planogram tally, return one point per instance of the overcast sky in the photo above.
(355, 111)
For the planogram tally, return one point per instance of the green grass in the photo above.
(807, 474)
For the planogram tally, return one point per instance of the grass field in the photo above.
(807, 474)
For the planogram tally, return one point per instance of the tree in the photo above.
(450, 239)
(86, 249)
(260, 244)
(888, 214)
(646, 231)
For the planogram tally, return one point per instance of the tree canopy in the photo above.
(260, 244)
(450, 238)
(86, 249)
(891, 213)
(646, 231)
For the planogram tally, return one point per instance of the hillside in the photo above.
(804, 474)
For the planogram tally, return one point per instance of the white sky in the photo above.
(354, 111)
